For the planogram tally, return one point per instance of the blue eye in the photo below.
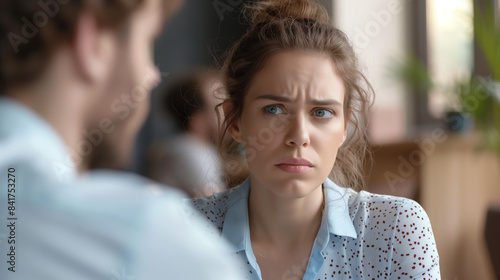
(322, 113)
(273, 110)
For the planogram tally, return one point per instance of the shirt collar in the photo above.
(236, 228)
(236, 224)
(337, 207)
(336, 219)
(23, 132)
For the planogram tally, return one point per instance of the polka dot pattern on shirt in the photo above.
(394, 238)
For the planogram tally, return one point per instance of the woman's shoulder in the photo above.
(385, 205)
(214, 207)
(400, 228)
(400, 218)
(371, 204)
(222, 199)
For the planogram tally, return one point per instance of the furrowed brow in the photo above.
(277, 98)
(326, 102)
(285, 99)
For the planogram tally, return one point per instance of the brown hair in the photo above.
(30, 31)
(282, 25)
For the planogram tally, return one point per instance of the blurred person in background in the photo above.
(75, 79)
(189, 159)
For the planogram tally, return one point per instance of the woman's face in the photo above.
(292, 123)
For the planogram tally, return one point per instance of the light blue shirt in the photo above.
(25, 136)
(362, 236)
(102, 225)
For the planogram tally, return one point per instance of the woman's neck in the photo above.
(284, 221)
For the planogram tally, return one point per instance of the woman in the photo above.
(297, 103)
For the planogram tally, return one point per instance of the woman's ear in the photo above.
(234, 130)
(343, 137)
(346, 123)
(233, 127)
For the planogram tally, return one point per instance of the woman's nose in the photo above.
(298, 132)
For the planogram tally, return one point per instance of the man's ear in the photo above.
(233, 127)
(93, 49)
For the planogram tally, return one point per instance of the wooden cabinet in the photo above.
(455, 183)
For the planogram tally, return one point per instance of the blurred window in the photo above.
(378, 30)
(450, 49)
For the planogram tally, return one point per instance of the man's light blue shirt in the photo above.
(102, 225)
(27, 138)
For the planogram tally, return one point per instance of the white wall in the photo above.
(377, 29)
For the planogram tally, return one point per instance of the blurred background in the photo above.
(435, 125)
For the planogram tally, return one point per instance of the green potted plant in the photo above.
(478, 97)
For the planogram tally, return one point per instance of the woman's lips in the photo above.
(295, 165)
(295, 169)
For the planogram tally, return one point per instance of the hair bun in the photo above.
(269, 10)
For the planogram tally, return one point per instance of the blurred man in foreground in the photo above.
(74, 90)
